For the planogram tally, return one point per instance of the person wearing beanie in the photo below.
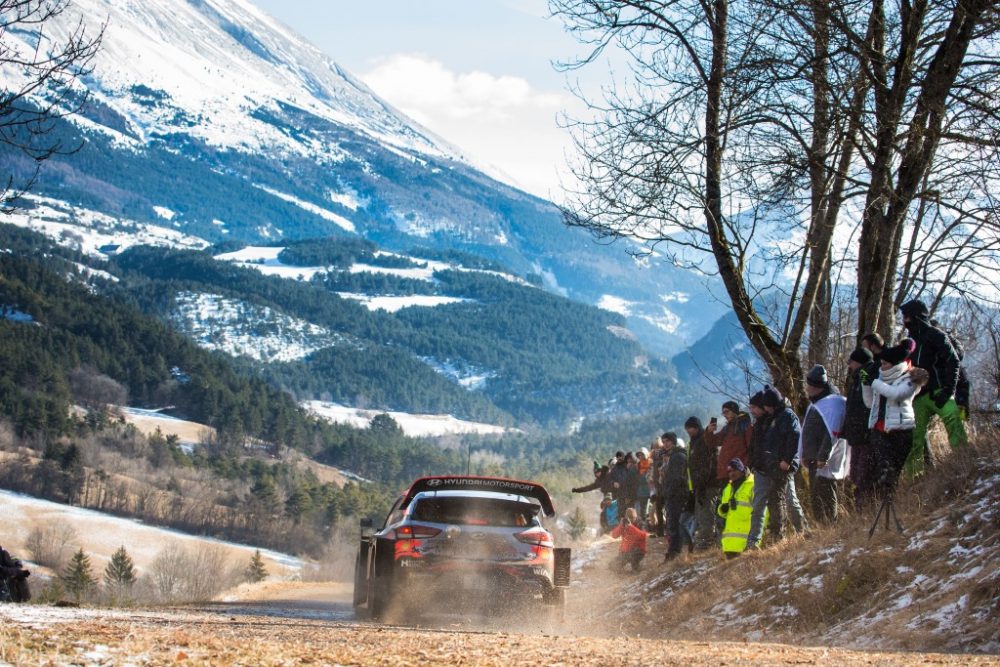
(936, 355)
(675, 491)
(891, 416)
(874, 343)
(861, 370)
(778, 462)
(618, 476)
(703, 464)
(771, 397)
(732, 441)
(736, 508)
(820, 444)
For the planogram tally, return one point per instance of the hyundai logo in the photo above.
(434, 482)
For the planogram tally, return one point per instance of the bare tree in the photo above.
(799, 117)
(925, 73)
(41, 70)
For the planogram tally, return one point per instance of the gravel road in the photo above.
(312, 624)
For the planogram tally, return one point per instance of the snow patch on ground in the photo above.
(101, 534)
(330, 216)
(412, 424)
(88, 231)
(474, 379)
(265, 259)
(242, 329)
(392, 304)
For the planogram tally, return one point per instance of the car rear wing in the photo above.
(473, 483)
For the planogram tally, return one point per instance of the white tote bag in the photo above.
(839, 462)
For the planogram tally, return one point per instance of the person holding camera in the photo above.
(890, 398)
(736, 507)
(13, 579)
(632, 549)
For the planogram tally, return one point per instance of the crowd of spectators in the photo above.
(736, 479)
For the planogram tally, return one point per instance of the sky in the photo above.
(478, 73)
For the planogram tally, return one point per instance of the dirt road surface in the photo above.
(313, 624)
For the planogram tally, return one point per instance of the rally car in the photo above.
(461, 543)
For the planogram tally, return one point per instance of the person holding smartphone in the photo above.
(732, 441)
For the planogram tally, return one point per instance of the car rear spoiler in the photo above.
(472, 483)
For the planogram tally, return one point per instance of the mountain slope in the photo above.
(210, 118)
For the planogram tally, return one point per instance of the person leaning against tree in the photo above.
(935, 354)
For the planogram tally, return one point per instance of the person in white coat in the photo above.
(891, 420)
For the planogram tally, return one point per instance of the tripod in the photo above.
(889, 509)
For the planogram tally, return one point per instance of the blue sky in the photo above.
(477, 72)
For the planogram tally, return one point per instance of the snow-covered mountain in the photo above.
(211, 119)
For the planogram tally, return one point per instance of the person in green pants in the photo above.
(935, 354)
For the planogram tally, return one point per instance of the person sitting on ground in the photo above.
(13, 579)
(633, 542)
(736, 507)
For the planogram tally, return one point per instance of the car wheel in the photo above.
(360, 583)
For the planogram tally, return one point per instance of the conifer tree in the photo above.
(256, 571)
(78, 577)
(119, 575)
(577, 524)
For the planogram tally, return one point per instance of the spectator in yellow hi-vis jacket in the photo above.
(736, 507)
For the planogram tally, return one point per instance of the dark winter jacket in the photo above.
(703, 461)
(9, 567)
(733, 442)
(936, 355)
(855, 428)
(601, 483)
(617, 475)
(781, 442)
(675, 475)
(759, 460)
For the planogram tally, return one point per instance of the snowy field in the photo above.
(101, 534)
(412, 425)
(148, 421)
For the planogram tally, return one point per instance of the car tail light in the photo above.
(536, 536)
(410, 537)
(416, 531)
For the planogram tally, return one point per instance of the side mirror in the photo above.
(367, 529)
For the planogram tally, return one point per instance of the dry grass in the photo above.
(937, 586)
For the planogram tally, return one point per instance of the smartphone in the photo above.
(713, 420)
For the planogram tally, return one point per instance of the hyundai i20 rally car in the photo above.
(461, 543)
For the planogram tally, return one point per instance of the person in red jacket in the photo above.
(632, 549)
(733, 440)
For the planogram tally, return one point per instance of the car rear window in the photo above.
(474, 511)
